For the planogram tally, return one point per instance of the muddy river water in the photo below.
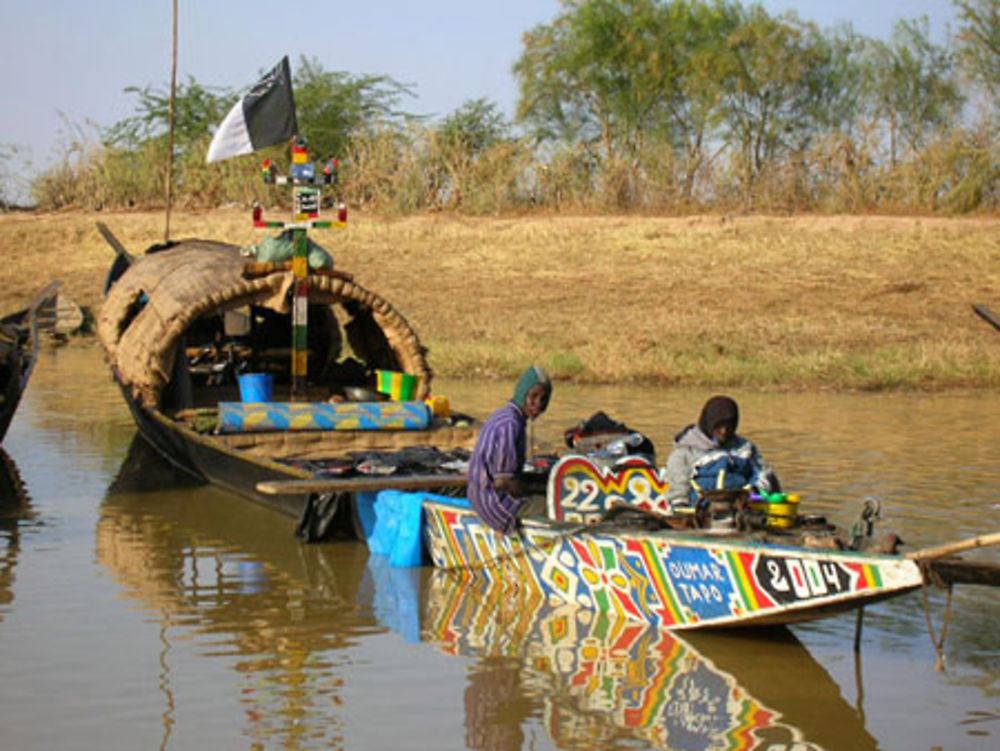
(139, 610)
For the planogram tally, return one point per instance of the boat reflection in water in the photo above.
(14, 500)
(15, 509)
(606, 683)
(285, 617)
(208, 568)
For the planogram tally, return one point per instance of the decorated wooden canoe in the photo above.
(673, 579)
(673, 571)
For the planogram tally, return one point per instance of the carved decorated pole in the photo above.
(305, 207)
(305, 214)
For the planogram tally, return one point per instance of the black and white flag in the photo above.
(264, 117)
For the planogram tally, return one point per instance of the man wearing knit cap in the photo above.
(498, 459)
(711, 456)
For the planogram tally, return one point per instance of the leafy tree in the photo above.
(594, 74)
(777, 92)
(914, 86)
(333, 106)
(196, 110)
(694, 40)
(979, 40)
(695, 75)
(477, 124)
(464, 137)
(330, 107)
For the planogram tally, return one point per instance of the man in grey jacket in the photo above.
(711, 456)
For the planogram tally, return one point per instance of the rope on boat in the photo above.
(938, 642)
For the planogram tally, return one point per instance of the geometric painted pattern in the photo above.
(652, 685)
(246, 417)
(581, 490)
(673, 579)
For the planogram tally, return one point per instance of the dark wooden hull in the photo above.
(216, 463)
(12, 391)
(21, 353)
(321, 514)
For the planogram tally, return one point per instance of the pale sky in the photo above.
(66, 63)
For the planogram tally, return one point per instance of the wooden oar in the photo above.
(987, 315)
(114, 242)
(356, 484)
(951, 548)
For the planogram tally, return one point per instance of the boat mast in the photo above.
(305, 215)
(170, 126)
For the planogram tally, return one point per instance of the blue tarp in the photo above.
(396, 597)
(392, 521)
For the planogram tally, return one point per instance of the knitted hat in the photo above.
(719, 411)
(530, 378)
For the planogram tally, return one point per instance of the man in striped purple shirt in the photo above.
(498, 459)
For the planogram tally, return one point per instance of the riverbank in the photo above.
(868, 303)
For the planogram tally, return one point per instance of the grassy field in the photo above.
(755, 302)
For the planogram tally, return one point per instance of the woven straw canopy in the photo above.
(147, 311)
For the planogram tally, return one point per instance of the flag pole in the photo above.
(305, 216)
(170, 126)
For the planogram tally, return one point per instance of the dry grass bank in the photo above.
(755, 302)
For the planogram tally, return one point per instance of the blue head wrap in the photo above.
(529, 379)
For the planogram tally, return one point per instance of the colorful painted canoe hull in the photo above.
(581, 490)
(672, 579)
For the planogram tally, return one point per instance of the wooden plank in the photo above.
(358, 484)
(987, 315)
(113, 241)
(958, 571)
(952, 548)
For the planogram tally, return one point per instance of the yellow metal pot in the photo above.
(780, 514)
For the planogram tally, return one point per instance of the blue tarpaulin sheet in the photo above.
(392, 520)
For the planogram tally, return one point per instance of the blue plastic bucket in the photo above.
(256, 387)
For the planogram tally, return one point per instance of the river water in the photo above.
(141, 611)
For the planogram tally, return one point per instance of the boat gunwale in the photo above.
(559, 528)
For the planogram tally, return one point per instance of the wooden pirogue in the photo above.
(657, 569)
(19, 341)
(180, 324)
(200, 336)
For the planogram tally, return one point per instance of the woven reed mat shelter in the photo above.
(145, 314)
